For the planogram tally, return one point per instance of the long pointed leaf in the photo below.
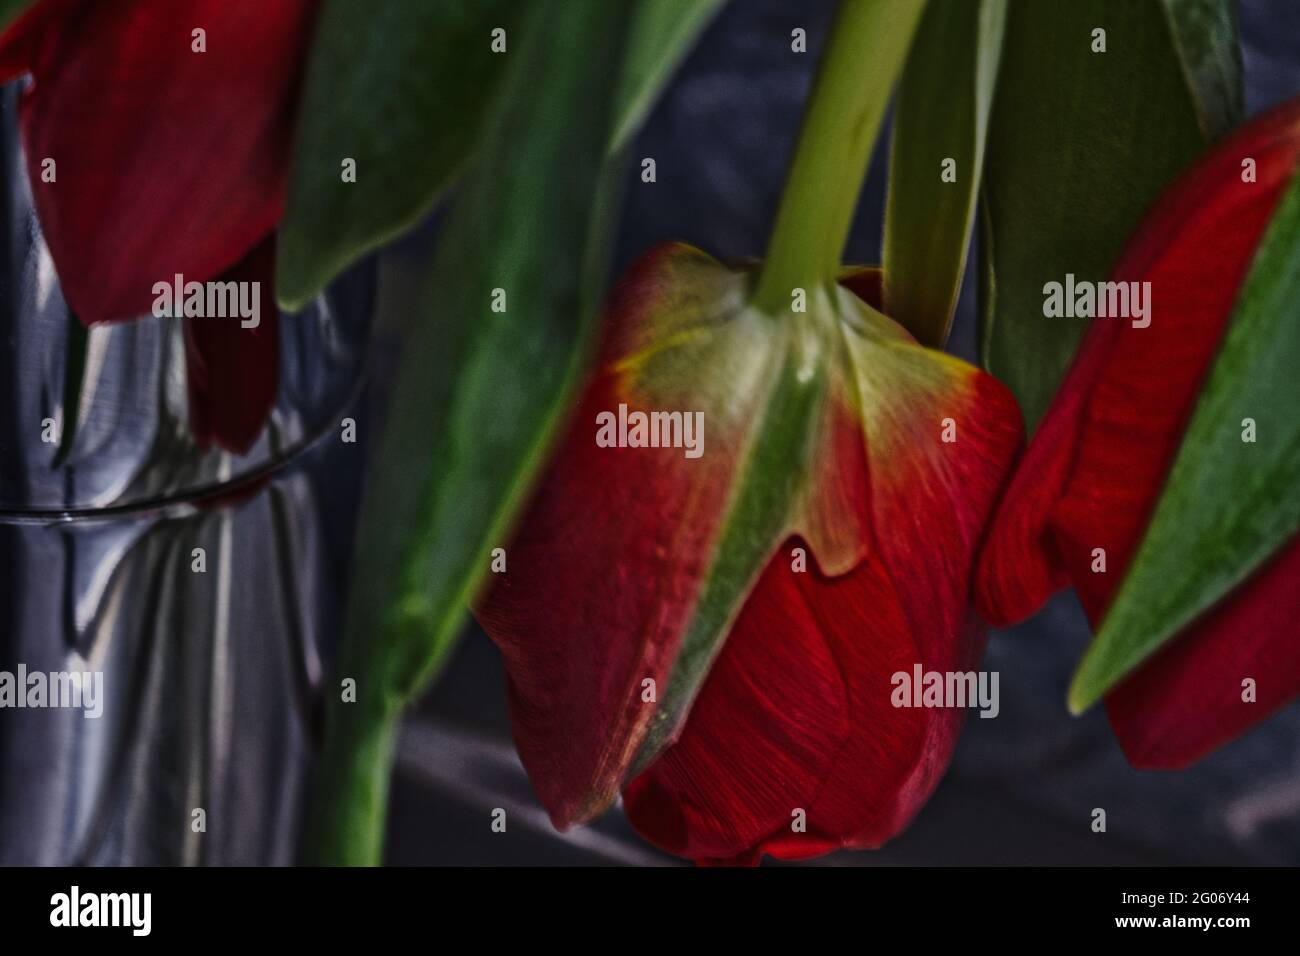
(1079, 145)
(1205, 36)
(942, 114)
(401, 89)
(478, 392)
(661, 36)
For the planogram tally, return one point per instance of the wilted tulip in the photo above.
(717, 635)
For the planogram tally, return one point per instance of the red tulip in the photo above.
(1093, 472)
(618, 561)
(166, 160)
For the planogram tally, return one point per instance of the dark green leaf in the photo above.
(478, 392)
(1228, 504)
(10, 10)
(402, 89)
(941, 114)
(1079, 144)
(74, 372)
(1206, 37)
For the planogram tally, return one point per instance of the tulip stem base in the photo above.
(346, 827)
(868, 44)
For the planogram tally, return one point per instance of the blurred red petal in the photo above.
(168, 160)
(18, 42)
(233, 373)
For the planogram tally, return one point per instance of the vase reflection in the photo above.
(204, 585)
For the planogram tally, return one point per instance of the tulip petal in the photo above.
(22, 22)
(168, 160)
(940, 435)
(1227, 504)
(762, 734)
(232, 372)
(888, 764)
(1190, 697)
(719, 794)
(661, 552)
(796, 714)
(607, 565)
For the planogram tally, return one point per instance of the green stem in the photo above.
(74, 374)
(868, 44)
(346, 826)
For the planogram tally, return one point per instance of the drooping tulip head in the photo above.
(752, 524)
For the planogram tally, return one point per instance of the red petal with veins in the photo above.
(605, 567)
(168, 160)
(1094, 470)
(608, 562)
(763, 733)
(796, 712)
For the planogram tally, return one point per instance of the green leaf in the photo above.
(1205, 35)
(1228, 505)
(1079, 145)
(941, 114)
(661, 36)
(402, 89)
(478, 392)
